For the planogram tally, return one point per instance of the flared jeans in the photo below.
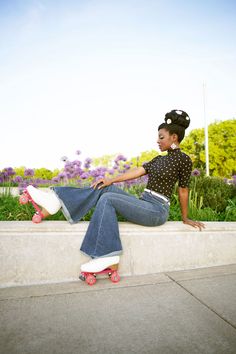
(102, 237)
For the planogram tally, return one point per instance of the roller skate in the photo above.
(26, 198)
(36, 197)
(104, 265)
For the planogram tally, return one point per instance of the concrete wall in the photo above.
(49, 251)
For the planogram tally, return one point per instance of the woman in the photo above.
(102, 241)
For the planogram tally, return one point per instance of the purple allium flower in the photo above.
(126, 166)
(3, 176)
(120, 158)
(93, 173)
(78, 171)
(55, 179)
(111, 171)
(40, 181)
(84, 175)
(68, 174)
(196, 173)
(9, 171)
(98, 172)
(62, 175)
(74, 174)
(87, 162)
(76, 163)
(130, 183)
(102, 169)
(69, 166)
(29, 172)
(18, 179)
(99, 177)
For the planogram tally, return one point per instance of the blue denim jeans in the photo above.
(102, 237)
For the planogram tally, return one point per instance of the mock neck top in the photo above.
(164, 171)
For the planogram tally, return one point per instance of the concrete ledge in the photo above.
(49, 252)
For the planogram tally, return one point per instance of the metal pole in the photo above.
(206, 130)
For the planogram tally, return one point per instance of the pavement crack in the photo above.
(79, 291)
(201, 302)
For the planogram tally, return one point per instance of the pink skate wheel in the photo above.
(115, 277)
(23, 199)
(37, 218)
(90, 279)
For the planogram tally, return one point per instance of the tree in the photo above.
(222, 148)
(105, 161)
(143, 157)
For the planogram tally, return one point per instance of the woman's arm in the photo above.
(132, 174)
(183, 199)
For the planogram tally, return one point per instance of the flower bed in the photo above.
(210, 199)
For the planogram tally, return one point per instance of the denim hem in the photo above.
(114, 253)
(65, 211)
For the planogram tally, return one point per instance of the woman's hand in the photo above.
(101, 183)
(193, 223)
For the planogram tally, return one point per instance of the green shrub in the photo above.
(204, 214)
(214, 191)
(210, 199)
(230, 210)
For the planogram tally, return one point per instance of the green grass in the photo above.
(11, 210)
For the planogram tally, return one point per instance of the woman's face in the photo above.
(165, 140)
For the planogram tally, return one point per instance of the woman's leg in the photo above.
(102, 237)
(77, 202)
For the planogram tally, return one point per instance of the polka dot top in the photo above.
(164, 171)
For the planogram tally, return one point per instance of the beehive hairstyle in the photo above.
(176, 121)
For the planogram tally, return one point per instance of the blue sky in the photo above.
(99, 76)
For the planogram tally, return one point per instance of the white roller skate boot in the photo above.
(99, 264)
(47, 200)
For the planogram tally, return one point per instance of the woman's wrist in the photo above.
(112, 180)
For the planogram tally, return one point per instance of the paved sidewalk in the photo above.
(177, 312)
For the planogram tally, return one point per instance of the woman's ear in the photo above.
(175, 138)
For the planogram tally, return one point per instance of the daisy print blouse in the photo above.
(164, 171)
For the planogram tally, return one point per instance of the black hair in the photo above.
(176, 121)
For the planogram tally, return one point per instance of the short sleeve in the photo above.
(147, 165)
(185, 171)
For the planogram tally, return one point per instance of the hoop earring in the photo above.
(173, 146)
